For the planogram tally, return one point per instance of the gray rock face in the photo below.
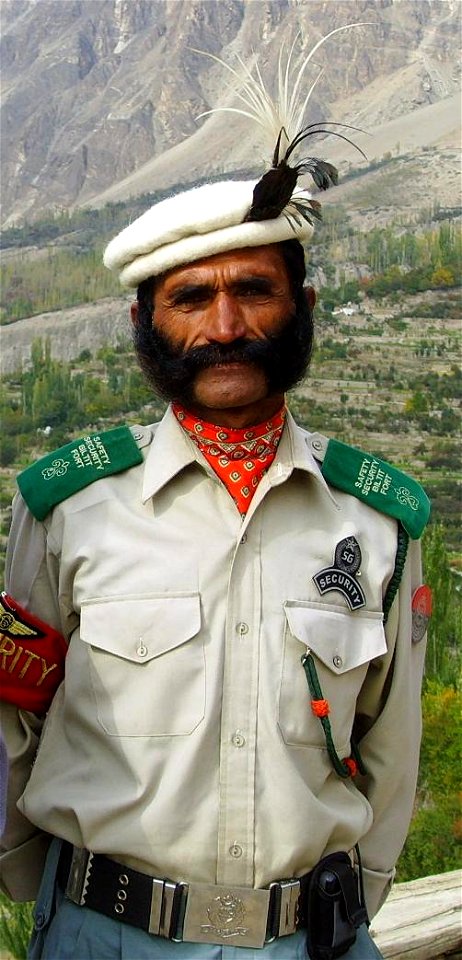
(87, 327)
(93, 90)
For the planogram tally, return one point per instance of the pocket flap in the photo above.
(140, 628)
(342, 641)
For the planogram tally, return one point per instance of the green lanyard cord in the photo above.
(400, 560)
(349, 766)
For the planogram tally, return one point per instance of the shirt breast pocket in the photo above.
(343, 646)
(147, 664)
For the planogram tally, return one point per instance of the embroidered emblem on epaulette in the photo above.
(58, 469)
(76, 465)
(340, 577)
(375, 482)
(421, 612)
(31, 657)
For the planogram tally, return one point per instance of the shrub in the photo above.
(7, 451)
(434, 841)
(15, 927)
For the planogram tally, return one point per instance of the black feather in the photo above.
(309, 208)
(278, 147)
(312, 129)
(273, 193)
(324, 174)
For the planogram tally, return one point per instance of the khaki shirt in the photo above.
(182, 740)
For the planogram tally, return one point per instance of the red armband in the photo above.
(32, 657)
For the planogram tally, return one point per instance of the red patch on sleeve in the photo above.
(421, 612)
(32, 657)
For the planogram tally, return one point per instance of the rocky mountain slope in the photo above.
(86, 327)
(101, 98)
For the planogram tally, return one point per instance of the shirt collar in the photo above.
(171, 451)
(294, 453)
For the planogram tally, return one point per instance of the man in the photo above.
(238, 720)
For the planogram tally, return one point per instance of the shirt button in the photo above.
(235, 851)
(242, 628)
(244, 538)
(237, 739)
(337, 661)
(142, 649)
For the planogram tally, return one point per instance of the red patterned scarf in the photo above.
(239, 457)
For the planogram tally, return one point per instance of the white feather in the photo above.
(287, 110)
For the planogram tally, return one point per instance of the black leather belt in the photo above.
(195, 912)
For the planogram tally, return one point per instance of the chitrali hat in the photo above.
(231, 214)
(195, 224)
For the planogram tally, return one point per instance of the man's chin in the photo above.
(233, 385)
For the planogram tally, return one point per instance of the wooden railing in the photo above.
(422, 919)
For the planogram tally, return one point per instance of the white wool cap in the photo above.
(194, 224)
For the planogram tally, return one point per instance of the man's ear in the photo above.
(310, 296)
(134, 312)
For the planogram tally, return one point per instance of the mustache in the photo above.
(217, 354)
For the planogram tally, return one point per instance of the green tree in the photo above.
(444, 647)
(418, 403)
(442, 277)
(8, 450)
(434, 841)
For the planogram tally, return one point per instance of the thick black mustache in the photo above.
(239, 351)
(173, 371)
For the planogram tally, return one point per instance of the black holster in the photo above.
(335, 908)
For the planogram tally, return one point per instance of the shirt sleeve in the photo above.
(390, 712)
(32, 579)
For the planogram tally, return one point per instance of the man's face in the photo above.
(227, 336)
(225, 300)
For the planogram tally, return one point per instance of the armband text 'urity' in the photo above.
(32, 655)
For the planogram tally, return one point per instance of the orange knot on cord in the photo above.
(320, 708)
(351, 766)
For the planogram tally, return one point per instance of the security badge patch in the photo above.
(31, 657)
(341, 576)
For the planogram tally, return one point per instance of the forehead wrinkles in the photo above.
(227, 275)
(266, 262)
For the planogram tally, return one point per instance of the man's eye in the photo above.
(190, 298)
(254, 289)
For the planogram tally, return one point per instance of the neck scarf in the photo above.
(239, 457)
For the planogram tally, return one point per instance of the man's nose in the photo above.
(225, 321)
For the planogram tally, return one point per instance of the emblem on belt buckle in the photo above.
(224, 914)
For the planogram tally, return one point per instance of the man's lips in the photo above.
(228, 364)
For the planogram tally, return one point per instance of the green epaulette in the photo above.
(58, 475)
(373, 481)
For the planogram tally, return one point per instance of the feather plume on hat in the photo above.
(281, 122)
(231, 214)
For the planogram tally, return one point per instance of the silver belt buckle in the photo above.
(226, 915)
(288, 917)
(76, 887)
